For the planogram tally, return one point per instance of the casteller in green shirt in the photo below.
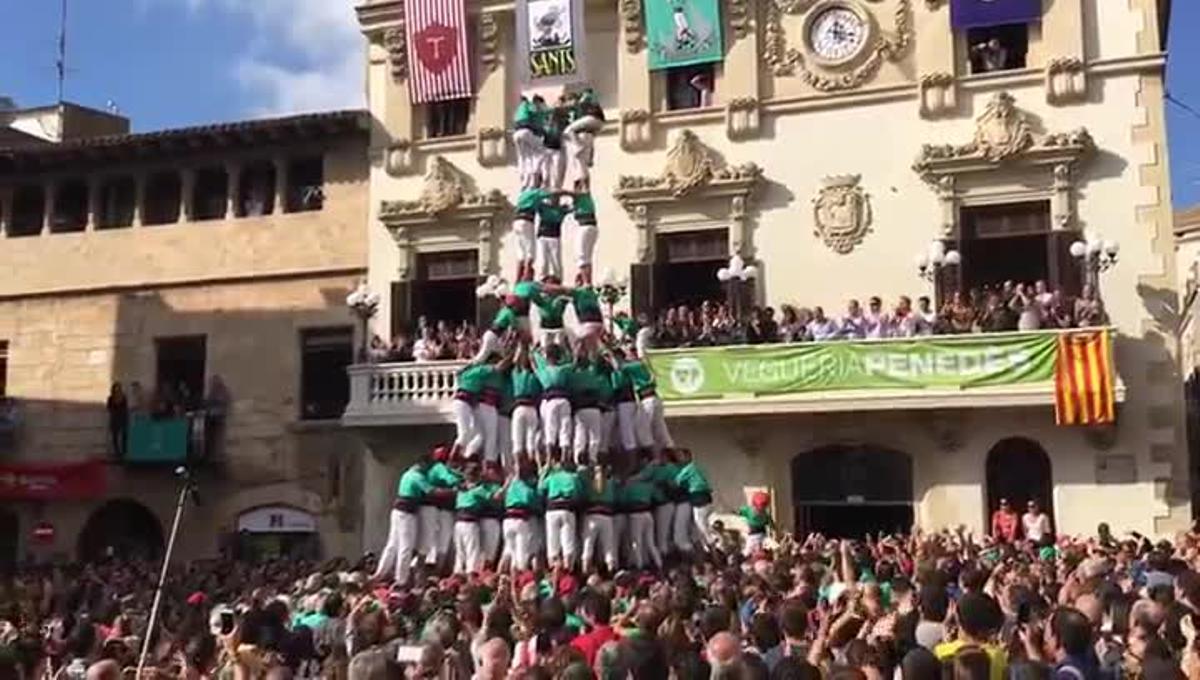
(691, 479)
(414, 484)
(521, 495)
(560, 485)
(756, 521)
(639, 375)
(474, 378)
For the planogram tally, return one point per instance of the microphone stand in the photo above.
(185, 489)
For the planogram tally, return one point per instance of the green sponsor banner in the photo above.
(157, 441)
(682, 32)
(943, 362)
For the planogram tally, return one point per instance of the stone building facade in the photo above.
(179, 258)
(913, 142)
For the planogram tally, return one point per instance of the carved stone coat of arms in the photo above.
(842, 213)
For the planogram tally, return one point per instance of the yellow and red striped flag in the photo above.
(1083, 379)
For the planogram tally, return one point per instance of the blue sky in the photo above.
(167, 63)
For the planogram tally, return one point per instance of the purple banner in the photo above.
(983, 13)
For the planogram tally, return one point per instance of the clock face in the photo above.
(837, 34)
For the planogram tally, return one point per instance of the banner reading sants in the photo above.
(940, 362)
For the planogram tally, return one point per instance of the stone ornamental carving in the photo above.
(445, 189)
(399, 158)
(1002, 133)
(690, 165)
(743, 118)
(938, 94)
(489, 39)
(842, 213)
(636, 129)
(739, 17)
(1066, 80)
(631, 18)
(396, 44)
(785, 60)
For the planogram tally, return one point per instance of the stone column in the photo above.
(233, 184)
(139, 198)
(6, 209)
(50, 195)
(281, 184)
(94, 185)
(187, 191)
(633, 78)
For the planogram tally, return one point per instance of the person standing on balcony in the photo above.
(555, 376)
(854, 324)
(563, 490)
(598, 526)
(526, 389)
(822, 327)
(445, 482)
(404, 527)
(878, 323)
(118, 419)
(691, 517)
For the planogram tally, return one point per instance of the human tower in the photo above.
(560, 439)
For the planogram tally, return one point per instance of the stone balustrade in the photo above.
(402, 393)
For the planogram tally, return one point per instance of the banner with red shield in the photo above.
(439, 61)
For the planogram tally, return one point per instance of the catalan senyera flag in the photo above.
(1083, 382)
(438, 58)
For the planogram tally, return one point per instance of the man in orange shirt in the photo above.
(1006, 525)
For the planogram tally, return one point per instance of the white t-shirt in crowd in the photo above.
(822, 330)
(424, 351)
(878, 325)
(1037, 526)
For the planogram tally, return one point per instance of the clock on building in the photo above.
(837, 32)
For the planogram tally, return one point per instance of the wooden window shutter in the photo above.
(401, 307)
(949, 279)
(1065, 273)
(642, 279)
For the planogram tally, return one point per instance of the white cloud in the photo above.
(306, 55)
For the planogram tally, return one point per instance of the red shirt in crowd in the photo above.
(590, 643)
(1005, 525)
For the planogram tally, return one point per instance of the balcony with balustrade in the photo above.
(1024, 369)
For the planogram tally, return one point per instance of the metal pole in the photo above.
(162, 577)
(362, 350)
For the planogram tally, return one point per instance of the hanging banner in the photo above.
(682, 32)
(439, 62)
(49, 482)
(154, 440)
(984, 13)
(939, 362)
(550, 36)
(1083, 387)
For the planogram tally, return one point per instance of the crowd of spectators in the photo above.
(936, 606)
(441, 341)
(1009, 307)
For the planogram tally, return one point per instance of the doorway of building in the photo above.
(122, 529)
(1019, 471)
(847, 490)
(10, 532)
(687, 267)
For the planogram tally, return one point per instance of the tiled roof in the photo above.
(243, 132)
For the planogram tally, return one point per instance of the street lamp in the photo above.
(1095, 255)
(934, 258)
(611, 290)
(363, 303)
(737, 275)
